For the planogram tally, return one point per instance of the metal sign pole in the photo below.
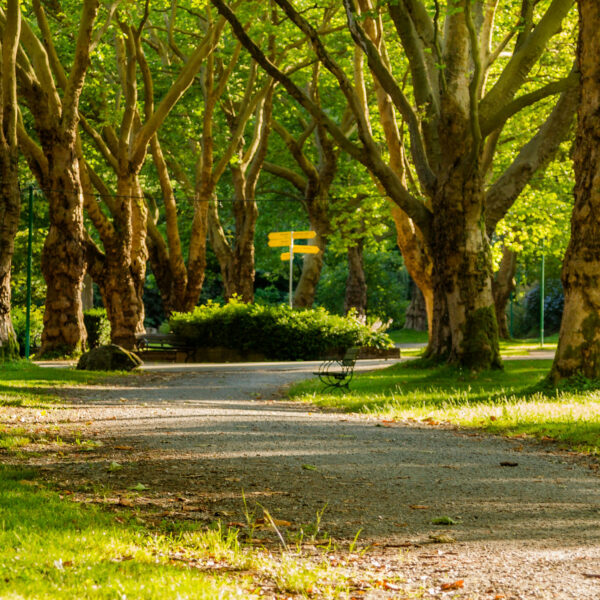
(291, 269)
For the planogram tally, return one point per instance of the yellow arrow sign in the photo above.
(300, 250)
(298, 235)
(275, 243)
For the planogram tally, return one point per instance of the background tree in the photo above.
(10, 198)
(52, 98)
(578, 351)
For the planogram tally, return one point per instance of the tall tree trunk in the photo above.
(462, 272)
(10, 198)
(9, 223)
(502, 286)
(356, 284)
(416, 313)
(238, 275)
(121, 270)
(87, 293)
(63, 255)
(304, 296)
(578, 349)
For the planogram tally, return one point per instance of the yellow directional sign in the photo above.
(275, 243)
(300, 250)
(297, 235)
(305, 249)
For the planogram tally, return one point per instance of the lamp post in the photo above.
(29, 261)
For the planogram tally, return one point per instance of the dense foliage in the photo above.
(276, 331)
(97, 327)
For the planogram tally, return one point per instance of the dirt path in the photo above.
(202, 438)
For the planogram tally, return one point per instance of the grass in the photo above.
(514, 347)
(26, 384)
(54, 548)
(506, 402)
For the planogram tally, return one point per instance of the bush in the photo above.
(553, 307)
(97, 327)
(278, 332)
(18, 315)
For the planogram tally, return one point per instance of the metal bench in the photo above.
(338, 373)
(160, 341)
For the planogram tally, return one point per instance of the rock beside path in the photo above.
(109, 358)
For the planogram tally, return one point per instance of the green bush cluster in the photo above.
(18, 316)
(97, 327)
(278, 332)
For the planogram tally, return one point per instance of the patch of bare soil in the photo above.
(455, 514)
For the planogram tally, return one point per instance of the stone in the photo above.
(109, 358)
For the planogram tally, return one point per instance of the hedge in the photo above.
(278, 332)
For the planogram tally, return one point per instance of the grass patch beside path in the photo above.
(26, 384)
(495, 401)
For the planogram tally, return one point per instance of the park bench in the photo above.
(336, 372)
(160, 341)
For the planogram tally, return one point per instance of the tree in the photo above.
(119, 268)
(10, 198)
(578, 349)
(52, 97)
(462, 96)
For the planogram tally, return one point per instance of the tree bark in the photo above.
(502, 287)
(63, 255)
(10, 198)
(312, 265)
(356, 284)
(120, 273)
(416, 313)
(462, 269)
(578, 351)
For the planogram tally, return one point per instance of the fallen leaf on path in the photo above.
(592, 575)
(441, 538)
(236, 524)
(115, 466)
(508, 463)
(455, 585)
(418, 507)
(444, 521)
(309, 467)
(123, 447)
(139, 487)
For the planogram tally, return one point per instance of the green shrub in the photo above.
(276, 331)
(18, 315)
(97, 327)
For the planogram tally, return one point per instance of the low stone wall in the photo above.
(220, 354)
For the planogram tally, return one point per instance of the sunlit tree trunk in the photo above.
(416, 313)
(356, 283)
(10, 201)
(578, 349)
(502, 286)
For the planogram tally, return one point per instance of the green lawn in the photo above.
(26, 384)
(503, 402)
(512, 347)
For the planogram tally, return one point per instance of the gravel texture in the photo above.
(207, 436)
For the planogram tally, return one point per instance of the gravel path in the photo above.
(208, 433)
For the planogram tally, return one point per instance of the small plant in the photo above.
(97, 327)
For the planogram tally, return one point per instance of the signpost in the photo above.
(278, 239)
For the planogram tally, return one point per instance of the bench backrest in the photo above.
(350, 356)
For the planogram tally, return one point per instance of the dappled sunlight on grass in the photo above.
(508, 402)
